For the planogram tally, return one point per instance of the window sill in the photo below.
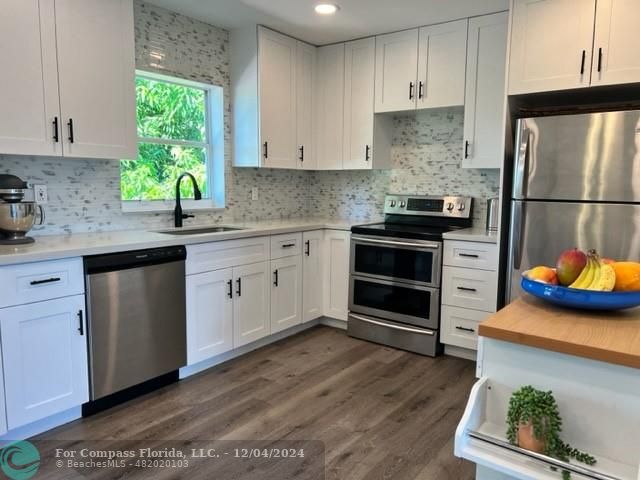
(133, 206)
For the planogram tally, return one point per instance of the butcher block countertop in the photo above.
(612, 337)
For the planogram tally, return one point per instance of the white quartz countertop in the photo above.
(52, 247)
(474, 234)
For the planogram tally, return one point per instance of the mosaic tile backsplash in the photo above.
(84, 194)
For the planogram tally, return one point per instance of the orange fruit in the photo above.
(627, 276)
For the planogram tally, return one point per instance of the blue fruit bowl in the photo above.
(584, 299)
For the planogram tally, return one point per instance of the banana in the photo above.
(586, 276)
(596, 275)
(606, 279)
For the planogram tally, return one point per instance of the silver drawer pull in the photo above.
(465, 329)
(46, 280)
(395, 327)
(393, 242)
(288, 245)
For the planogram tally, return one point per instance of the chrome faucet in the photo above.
(177, 213)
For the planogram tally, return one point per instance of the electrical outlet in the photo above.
(40, 194)
(254, 193)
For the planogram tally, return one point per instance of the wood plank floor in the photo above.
(381, 413)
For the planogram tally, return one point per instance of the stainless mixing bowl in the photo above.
(16, 219)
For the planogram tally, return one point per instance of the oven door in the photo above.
(409, 261)
(406, 303)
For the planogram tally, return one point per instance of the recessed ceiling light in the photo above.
(326, 8)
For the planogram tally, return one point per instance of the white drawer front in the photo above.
(35, 282)
(207, 257)
(468, 288)
(286, 245)
(459, 326)
(483, 256)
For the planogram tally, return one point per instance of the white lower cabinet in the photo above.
(312, 285)
(44, 353)
(286, 293)
(251, 319)
(209, 314)
(336, 274)
(460, 326)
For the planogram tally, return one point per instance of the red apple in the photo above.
(570, 265)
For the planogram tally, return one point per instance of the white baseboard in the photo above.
(460, 352)
(332, 322)
(40, 426)
(224, 357)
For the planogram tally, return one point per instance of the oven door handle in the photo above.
(430, 246)
(395, 327)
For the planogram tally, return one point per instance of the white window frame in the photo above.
(214, 150)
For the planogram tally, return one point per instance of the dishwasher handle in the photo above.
(133, 259)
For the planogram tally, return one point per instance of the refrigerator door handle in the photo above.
(522, 161)
(515, 245)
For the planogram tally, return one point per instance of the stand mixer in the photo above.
(17, 217)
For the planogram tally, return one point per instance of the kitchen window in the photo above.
(180, 129)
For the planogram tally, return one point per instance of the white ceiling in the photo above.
(356, 18)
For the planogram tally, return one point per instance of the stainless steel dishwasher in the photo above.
(136, 317)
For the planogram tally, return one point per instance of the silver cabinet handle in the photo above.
(395, 327)
(432, 246)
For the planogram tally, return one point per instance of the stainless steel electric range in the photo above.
(395, 271)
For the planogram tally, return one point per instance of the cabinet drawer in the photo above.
(483, 256)
(286, 245)
(206, 257)
(34, 282)
(469, 288)
(460, 326)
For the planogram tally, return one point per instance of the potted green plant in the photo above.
(534, 423)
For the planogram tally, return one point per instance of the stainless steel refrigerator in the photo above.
(576, 184)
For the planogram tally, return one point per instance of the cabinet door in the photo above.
(29, 93)
(251, 303)
(336, 274)
(44, 352)
(329, 107)
(209, 314)
(396, 71)
(549, 40)
(97, 78)
(277, 85)
(312, 284)
(305, 88)
(286, 293)
(359, 74)
(616, 58)
(485, 95)
(441, 64)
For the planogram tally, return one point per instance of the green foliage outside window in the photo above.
(166, 113)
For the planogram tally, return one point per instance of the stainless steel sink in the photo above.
(197, 231)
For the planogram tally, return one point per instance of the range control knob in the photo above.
(403, 204)
(450, 206)
(392, 203)
(461, 207)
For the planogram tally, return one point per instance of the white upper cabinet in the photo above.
(305, 91)
(441, 64)
(29, 93)
(485, 92)
(551, 45)
(277, 93)
(71, 90)
(329, 102)
(616, 57)
(396, 71)
(359, 72)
